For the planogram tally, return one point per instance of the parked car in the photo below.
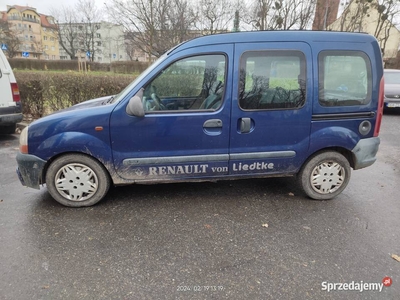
(10, 102)
(219, 107)
(392, 88)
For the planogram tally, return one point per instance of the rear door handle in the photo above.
(245, 125)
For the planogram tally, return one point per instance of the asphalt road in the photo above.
(249, 239)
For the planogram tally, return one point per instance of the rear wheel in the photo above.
(77, 180)
(325, 175)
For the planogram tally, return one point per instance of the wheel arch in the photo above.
(55, 157)
(345, 152)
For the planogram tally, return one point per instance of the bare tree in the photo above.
(155, 25)
(10, 36)
(215, 16)
(377, 17)
(281, 14)
(91, 17)
(77, 27)
(387, 13)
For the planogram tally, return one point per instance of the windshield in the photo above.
(129, 87)
(392, 77)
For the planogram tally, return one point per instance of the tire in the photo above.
(325, 175)
(8, 129)
(77, 180)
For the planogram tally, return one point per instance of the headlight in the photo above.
(23, 141)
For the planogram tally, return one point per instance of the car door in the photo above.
(271, 110)
(186, 127)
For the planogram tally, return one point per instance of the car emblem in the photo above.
(138, 171)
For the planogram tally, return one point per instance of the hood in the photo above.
(89, 103)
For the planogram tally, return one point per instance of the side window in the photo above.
(192, 83)
(272, 80)
(344, 78)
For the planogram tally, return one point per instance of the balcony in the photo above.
(30, 20)
(14, 18)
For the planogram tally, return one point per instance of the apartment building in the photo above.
(30, 35)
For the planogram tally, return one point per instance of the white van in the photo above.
(10, 101)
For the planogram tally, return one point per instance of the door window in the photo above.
(192, 83)
(344, 78)
(272, 80)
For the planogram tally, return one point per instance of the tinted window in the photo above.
(272, 80)
(344, 78)
(192, 83)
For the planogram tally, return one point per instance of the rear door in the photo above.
(271, 109)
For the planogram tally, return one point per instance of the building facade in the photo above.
(31, 35)
(364, 17)
(102, 42)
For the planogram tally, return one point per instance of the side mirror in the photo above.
(135, 105)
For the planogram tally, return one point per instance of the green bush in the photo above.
(45, 92)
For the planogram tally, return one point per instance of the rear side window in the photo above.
(272, 80)
(344, 78)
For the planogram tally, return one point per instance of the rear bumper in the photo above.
(364, 153)
(30, 170)
(10, 119)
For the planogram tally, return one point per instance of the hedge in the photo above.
(126, 67)
(42, 93)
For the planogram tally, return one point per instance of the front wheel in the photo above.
(77, 180)
(325, 176)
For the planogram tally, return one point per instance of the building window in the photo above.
(46, 47)
(53, 57)
(98, 43)
(52, 39)
(45, 38)
(52, 48)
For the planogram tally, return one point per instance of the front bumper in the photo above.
(364, 153)
(30, 170)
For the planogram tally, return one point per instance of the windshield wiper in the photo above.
(108, 101)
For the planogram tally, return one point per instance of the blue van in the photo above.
(219, 107)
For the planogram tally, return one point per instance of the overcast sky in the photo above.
(43, 6)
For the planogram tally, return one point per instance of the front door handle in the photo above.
(213, 123)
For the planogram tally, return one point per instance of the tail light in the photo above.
(15, 92)
(380, 108)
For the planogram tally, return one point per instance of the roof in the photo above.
(44, 20)
(21, 8)
(280, 36)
